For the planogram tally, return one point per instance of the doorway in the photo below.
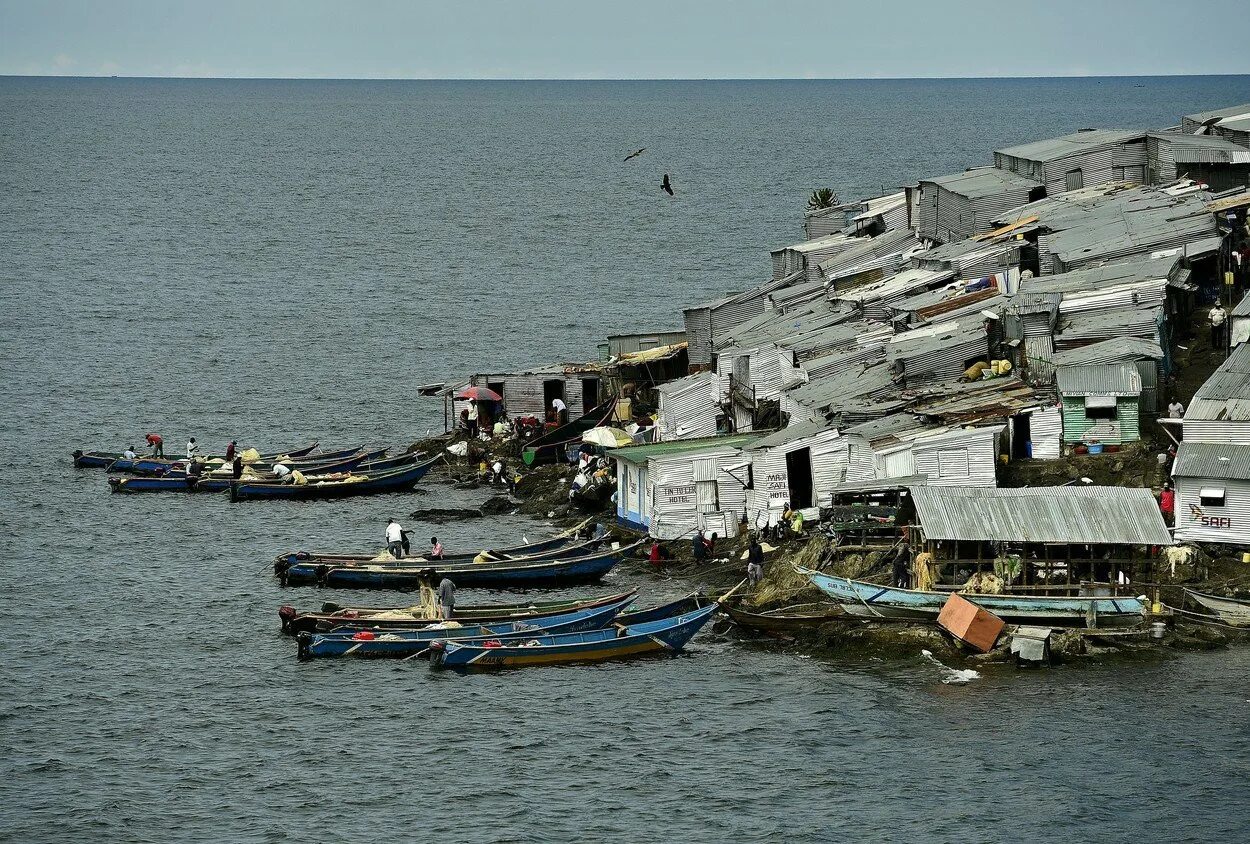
(799, 478)
(590, 394)
(1021, 436)
(553, 389)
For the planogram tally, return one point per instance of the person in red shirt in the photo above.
(1167, 503)
(158, 444)
(655, 557)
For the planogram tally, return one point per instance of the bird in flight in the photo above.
(666, 185)
(635, 153)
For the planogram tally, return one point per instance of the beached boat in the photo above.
(871, 600)
(106, 459)
(334, 617)
(532, 550)
(785, 621)
(685, 604)
(551, 446)
(374, 483)
(505, 574)
(1232, 611)
(177, 481)
(403, 643)
(382, 463)
(667, 635)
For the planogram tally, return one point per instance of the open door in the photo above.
(799, 474)
(590, 394)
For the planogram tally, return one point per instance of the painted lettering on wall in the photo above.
(1216, 522)
(677, 496)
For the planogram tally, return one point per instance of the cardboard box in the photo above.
(976, 627)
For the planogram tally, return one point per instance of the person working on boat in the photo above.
(902, 578)
(282, 473)
(395, 539)
(236, 467)
(194, 470)
(436, 548)
(230, 451)
(129, 453)
(193, 449)
(755, 561)
(561, 411)
(446, 598)
(157, 444)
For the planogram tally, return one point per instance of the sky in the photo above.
(627, 39)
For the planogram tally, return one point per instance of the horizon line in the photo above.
(610, 78)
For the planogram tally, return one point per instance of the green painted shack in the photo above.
(1101, 402)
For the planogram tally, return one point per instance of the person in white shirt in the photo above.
(193, 448)
(129, 453)
(281, 472)
(1217, 316)
(395, 539)
(1176, 410)
(561, 410)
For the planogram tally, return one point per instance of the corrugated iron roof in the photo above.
(1212, 460)
(1079, 515)
(982, 181)
(1110, 351)
(677, 448)
(1226, 394)
(1098, 379)
(797, 431)
(652, 355)
(1052, 149)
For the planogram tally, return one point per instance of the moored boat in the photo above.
(119, 463)
(403, 643)
(533, 549)
(785, 621)
(504, 574)
(550, 447)
(666, 635)
(218, 481)
(1231, 611)
(373, 483)
(333, 617)
(872, 600)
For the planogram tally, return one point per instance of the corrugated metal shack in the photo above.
(689, 408)
(1220, 409)
(673, 489)
(1231, 123)
(874, 299)
(705, 324)
(1212, 493)
(635, 377)
(796, 466)
(971, 258)
(1083, 159)
(1101, 402)
(960, 205)
(1062, 535)
(1146, 355)
(1215, 161)
(1240, 321)
(938, 352)
(530, 393)
(620, 344)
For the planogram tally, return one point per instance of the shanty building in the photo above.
(1083, 159)
(1219, 412)
(622, 344)
(1061, 535)
(1217, 162)
(1101, 402)
(672, 489)
(705, 324)
(690, 408)
(1147, 355)
(1212, 493)
(1231, 123)
(796, 467)
(960, 205)
(530, 393)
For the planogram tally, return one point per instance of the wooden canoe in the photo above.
(1232, 611)
(785, 621)
(374, 483)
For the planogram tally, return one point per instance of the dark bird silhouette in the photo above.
(668, 188)
(635, 153)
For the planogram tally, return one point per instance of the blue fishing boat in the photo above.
(871, 600)
(381, 464)
(315, 558)
(506, 574)
(374, 483)
(666, 635)
(219, 480)
(319, 463)
(399, 643)
(107, 459)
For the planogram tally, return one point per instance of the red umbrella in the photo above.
(479, 394)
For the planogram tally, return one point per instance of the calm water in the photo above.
(275, 261)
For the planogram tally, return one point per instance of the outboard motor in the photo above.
(438, 652)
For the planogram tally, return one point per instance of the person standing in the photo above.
(473, 416)
(1176, 410)
(436, 548)
(655, 557)
(236, 467)
(193, 449)
(395, 539)
(1167, 504)
(902, 578)
(446, 598)
(755, 561)
(157, 444)
(230, 451)
(1218, 317)
(561, 411)
(698, 547)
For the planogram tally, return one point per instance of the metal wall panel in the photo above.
(1236, 509)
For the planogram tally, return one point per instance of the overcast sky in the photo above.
(586, 39)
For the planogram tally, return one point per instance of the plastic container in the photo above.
(1079, 448)
(1095, 448)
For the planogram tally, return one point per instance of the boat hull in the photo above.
(870, 600)
(547, 549)
(790, 624)
(1229, 610)
(397, 480)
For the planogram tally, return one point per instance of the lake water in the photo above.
(277, 261)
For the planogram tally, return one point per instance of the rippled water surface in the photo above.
(277, 261)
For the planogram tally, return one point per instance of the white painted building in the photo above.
(1212, 493)
(797, 466)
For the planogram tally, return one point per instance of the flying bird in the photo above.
(668, 188)
(635, 153)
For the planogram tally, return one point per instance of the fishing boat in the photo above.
(1231, 611)
(381, 464)
(685, 604)
(551, 446)
(334, 617)
(219, 481)
(374, 483)
(785, 621)
(402, 643)
(505, 574)
(319, 463)
(871, 600)
(316, 558)
(666, 635)
(107, 459)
